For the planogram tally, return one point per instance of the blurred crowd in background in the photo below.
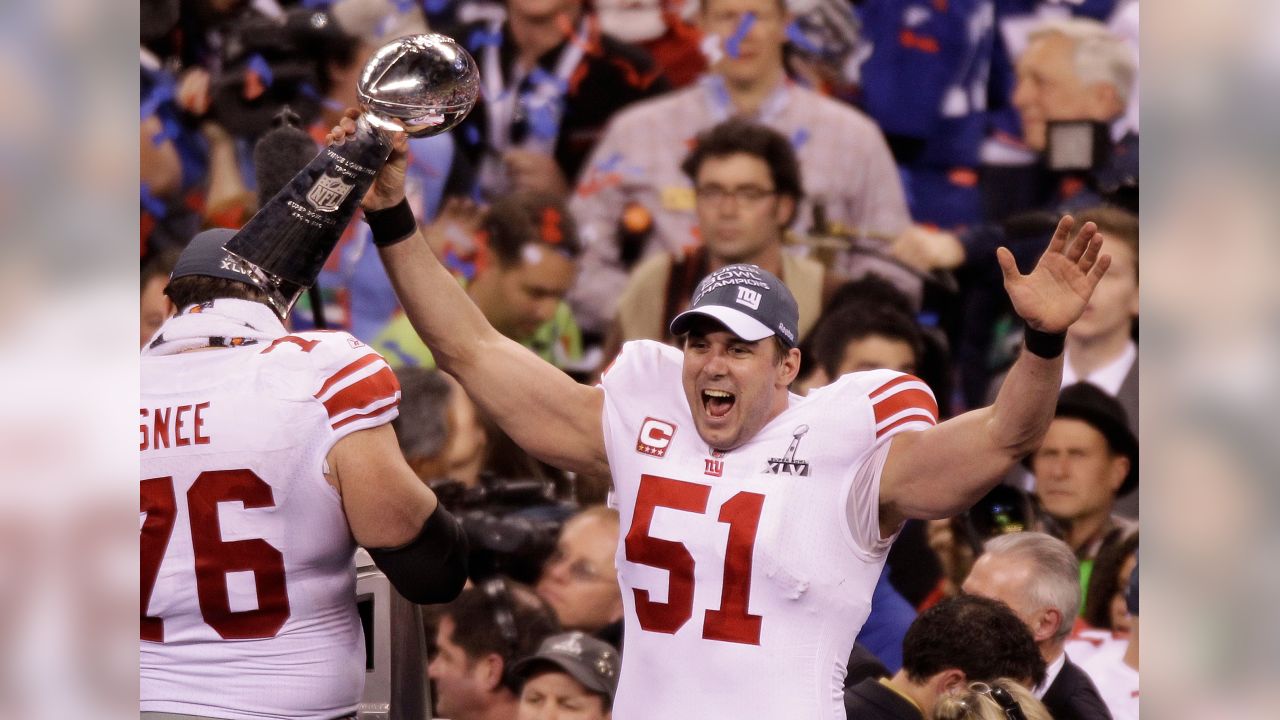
(871, 153)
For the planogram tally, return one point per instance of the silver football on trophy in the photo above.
(423, 84)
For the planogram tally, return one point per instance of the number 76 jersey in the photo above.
(248, 585)
(744, 578)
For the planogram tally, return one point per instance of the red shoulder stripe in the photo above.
(902, 421)
(900, 380)
(381, 385)
(905, 400)
(347, 372)
(370, 414)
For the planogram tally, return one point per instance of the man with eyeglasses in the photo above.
(579, 580)
(635, 168)
(475, 641)
(748, 188)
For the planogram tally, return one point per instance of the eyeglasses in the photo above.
(749, 194)
(504, 616)
(1012, 710)
(579, 569)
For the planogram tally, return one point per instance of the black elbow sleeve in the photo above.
(433, 567)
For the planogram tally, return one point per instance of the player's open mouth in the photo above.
(717, 403)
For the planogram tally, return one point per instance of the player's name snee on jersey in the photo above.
(173, 426)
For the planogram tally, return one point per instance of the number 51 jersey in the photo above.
(248, 585)
(743, 577)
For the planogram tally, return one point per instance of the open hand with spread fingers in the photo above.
(1054, 294)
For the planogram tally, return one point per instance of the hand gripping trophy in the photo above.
(420, 84)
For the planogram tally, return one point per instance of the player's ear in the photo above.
(949, 681)
(788, 365)
(489, 671)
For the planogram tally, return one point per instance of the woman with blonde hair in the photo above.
(1001, 699)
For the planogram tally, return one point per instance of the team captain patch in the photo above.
(655, 437)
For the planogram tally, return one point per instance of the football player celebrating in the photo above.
(755, 522)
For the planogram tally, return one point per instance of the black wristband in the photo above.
(1046, 345)
(391, 225)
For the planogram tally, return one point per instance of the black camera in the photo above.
(512, 524)
(270, 62)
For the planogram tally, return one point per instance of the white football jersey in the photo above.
(1117, 682)
(744, 580)
(248, 583)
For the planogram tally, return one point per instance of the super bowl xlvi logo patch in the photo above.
(788, 464)
(655, 437)
(328, 193)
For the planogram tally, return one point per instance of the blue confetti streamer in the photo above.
(471, 134)
(310, 92)
(484, 37)
(393, 347)
(404, 6)
(610, 162)
(544, 104)
(540, 77)
(151, 203)
(801, 41)
(169, 130)
(160, 94)
(459, 266)
(258, 64)
(799, 138)
(544, 120)
(312, 4)
(435, 7)
(384, 25)
(732, 46)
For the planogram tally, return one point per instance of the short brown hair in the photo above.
(478, 633)
(195, 289)
(739, 136)
(526, 217)
(1115, 224)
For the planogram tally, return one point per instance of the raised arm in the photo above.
(944, 470)
(554, 418)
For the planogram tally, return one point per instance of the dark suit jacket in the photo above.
(869, 700)
(1072, 696)
(1127, 505)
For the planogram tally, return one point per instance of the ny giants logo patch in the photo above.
(749, 297)
(655, 437)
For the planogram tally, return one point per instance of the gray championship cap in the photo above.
(205, 255)
(751, 302)
(593, 663)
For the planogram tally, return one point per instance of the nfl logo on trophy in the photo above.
(328, 192)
